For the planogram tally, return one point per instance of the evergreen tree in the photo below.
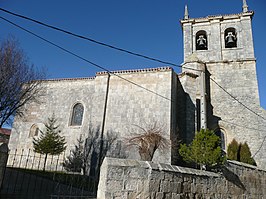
(204, 150)
(240, 152)
(49, 142)
(233, 150)
(245, 154)
(75, 161)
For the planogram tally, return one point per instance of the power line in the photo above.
(86, 60)
(246, 127)
(236, 99)
(119, 49)
(242, 126)
(95, 41)
(259, 147)
(123, 50)
(113, 47)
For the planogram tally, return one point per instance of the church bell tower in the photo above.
(219, 38)
(218, 72)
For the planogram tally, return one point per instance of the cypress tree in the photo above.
(233, 150)
(245, 154)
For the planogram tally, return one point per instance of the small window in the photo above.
(201, 40)
(230, 38)
(34, 130)
(77, 115)
(220, 134)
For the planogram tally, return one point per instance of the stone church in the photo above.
(217, 89)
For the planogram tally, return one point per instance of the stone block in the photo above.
(114, 185)
(159, 195)
(131, 184)
(165, 186)
(115, 173)
(175, 196)
(174, 186)
(186, 187)
(154, 185)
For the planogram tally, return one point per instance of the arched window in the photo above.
(221, 135)
(34, 130)
(77, 115)
(230, 38)
(201, 40)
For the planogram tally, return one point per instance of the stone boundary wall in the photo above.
(132, 179)
(3, 161)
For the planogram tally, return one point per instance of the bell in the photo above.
(201, 43)
(230, 40)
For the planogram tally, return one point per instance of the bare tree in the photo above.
(148, 141)
(18, 84)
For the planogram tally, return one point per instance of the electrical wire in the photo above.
(116, 48)
(95, 41)
(242, 126)
(86, 60)
(123, 50)
(237, 99)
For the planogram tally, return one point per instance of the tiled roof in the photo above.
(113, 72)
(69, 79)
(5, 131)
(137, 70)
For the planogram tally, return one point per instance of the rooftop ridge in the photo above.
(68, 79)
(219, 15)
(112, 72)
(5, 131)
(166, 68)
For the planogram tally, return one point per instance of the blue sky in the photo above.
(148, 27)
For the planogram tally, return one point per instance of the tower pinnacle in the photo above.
(245, 6)
(186, 16)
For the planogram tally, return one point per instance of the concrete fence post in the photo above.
(3, 161)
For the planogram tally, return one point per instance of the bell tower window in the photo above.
(201, 40)
(230, 38)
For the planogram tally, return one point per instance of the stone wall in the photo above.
(131, 179)
(127, 105)
(235, 120)
(3, 161)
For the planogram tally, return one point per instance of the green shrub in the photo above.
(240, 152)
(233, 150)
(204, 150)
(245, 154)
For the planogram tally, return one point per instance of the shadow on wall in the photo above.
(232, 177)
(213, 121)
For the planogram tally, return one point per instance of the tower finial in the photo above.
(186, 16)
(245, 6)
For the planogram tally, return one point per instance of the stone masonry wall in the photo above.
(235, 120)
(131, 179)
(127, 105)
(232, 71)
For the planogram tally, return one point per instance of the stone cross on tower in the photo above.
(245, 6)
